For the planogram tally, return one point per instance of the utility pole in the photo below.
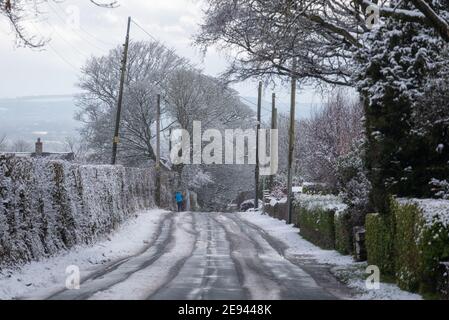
(259, 110)
(158, 150)
(169, 139)
(274, 126)
(291, 143)
(120, 96)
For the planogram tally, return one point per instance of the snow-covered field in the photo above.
(343, 266)
(38, 279)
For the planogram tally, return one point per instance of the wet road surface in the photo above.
(208, 256)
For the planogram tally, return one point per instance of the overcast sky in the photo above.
(55, 69)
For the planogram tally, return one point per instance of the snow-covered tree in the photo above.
(353, 184)
(333, 40)
(21, 145)
(440, 188)
(149, 66)
(263, 36)
(76, 146)
(398, 63)
(192, 96)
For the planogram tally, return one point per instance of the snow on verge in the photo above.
(42, 278)
(354, 272)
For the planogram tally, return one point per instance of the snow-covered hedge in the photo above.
(379, 243)
(343, 233)
(410, 244)
(47, 205)
(278, 209)
(421, 242)
(316, 218)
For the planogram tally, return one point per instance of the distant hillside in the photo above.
(51, 117)
(47, 117)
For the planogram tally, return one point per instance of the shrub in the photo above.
(315, 218)
(48, 206)
(434, 247)
(317, 226)
(379, 243)
(422, 241)
(343, 233)
(407, 260)
(316, 189)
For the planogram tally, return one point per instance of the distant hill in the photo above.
(47, 117)
(51, 117)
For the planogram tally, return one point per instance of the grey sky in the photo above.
(54, 70)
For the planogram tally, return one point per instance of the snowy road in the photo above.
(203, 256)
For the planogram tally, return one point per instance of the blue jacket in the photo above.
(178, 197)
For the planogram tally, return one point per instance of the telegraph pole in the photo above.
(158, 150)
(169, 139)
(120, 97)
(259, 110)
(274, 126)
(158, 131)
(291, 143)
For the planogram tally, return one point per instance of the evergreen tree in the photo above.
(398, 61)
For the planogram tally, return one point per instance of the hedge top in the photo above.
(433, 210)
(324, 202)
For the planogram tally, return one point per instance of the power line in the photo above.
(144, 31)
(81, 28)
(160, 87)
(82, 53)
(60, 56)
(63, 58)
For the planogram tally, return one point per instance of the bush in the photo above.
(278, 209)
(315, 217)
(316, 189)
(407, 260)
(422, 241)
(434, 248)
(379, 243)
(47, 206)
(317, 226)
(343, 233)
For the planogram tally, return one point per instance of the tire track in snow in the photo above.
(155, 274)
(259, 281)
(209, 273)
(122, 269)
(295, 283)
(319, 272)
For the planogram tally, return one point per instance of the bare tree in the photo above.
(193, 96)
(328, 135)
(21, 145)
(18, 12)
(77, 147)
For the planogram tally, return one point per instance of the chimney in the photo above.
(39, 147)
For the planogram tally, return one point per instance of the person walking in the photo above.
(179, 200)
